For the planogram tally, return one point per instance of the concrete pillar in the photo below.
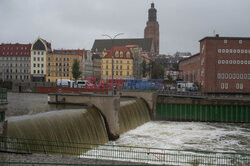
(108, 105)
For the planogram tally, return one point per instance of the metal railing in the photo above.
(181, 94)
(123, 153)
(3, 95)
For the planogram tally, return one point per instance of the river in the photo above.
(157, 134)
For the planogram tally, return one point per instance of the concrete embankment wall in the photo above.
(205, 110)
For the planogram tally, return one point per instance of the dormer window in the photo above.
(128, 54)
(121, 54)
(117, 54)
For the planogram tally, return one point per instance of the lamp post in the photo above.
(112, 41)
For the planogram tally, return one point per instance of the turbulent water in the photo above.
(189, 135)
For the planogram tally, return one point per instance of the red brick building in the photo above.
(223, 65)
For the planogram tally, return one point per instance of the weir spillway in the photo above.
(86, 125)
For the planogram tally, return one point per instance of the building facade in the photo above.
(39, 50)
(88, 66)
(119, 59)
(59, 65)
(152, 29)
(97, 66)
(222, 65)
(15, 62)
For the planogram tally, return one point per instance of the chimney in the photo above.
(217, 35)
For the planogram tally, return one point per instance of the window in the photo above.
(222, 85)
(245, 62)
(238, 76)
(240, 41)
(128, 67)
(34, 58)
(42, 71)
(249, 76)
(34, 65)
(41, 65)
(38, 52)
(49, 58)
(121, 54)
(223, 50)
(241, 76)
(234, 51)
(107, 73)
(222, 61)
(231, 51)
(116, 72)
(238, 61)
(34, 52)
(38, 59)
(245, 76)
(120, 61)
(226, 76)
(238, 51)
(42, 52)
(56, 59)
(34, 71)
(234, 61)
(222, 76)
(38, 65)
(107, 66)
(127, 73)
(48, 80)
(120, 73)
(234, 76)
(121, 67)
(227, 50)
(48, 64)
(237, 86)
(226, 61)
(241, 86)
(107, 61)
(226, 85)
(117, 54)
(219, 50)
(225, 41)
(41, 59)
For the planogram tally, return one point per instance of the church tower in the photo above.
(152, 29)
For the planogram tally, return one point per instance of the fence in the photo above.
(123, 153)
(3, 95)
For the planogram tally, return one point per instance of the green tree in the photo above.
(144, 68)
(76, 69)
(157, 71)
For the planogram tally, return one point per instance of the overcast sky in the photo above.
(72, 24)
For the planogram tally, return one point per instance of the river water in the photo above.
(155, 134)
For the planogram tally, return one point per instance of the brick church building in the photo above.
(149, 44)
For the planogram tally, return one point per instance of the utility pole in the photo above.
(112, 55)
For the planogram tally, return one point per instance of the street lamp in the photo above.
(112, 41)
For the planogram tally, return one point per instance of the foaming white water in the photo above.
(189, 135)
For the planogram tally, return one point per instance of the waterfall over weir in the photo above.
(77, 125)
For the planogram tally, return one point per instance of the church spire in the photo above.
(152, 13)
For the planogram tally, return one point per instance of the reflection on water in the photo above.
(32, 103)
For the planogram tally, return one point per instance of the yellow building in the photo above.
(59, 65)
(122, 63)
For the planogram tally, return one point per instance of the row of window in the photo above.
(117, 73)
(59, 64)
(117, 67)
(11, 48)
(240, 41)
(38, 58)
(12, 65)
(16, 71)
(117, 54)
(234, 62)
(16, 77)
(60, 74)
(237, 86)
(37, 65)
(59, 59)
(59, 69)
(38, 53)
(17, 53)
(117, 61)
(242, 51)
(37, 71)
(233, 76)
(15, 58)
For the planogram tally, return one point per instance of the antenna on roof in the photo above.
(214, 33)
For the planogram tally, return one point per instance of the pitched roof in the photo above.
(121, 53)
(102, 44)
(15, 50)
(72, 51)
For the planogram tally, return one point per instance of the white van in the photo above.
(65, 83)
(81, 83)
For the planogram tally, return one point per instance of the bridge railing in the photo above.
(181, 94)
(3, 95)
(123, 153)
